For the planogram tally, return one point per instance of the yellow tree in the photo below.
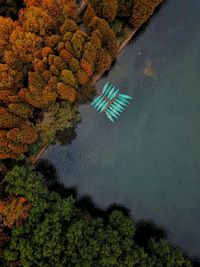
(36, 19)
(25, 134)
(6, 28)
(110, 8)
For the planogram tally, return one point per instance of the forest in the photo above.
(41, 228)
(50, 52)
(48, 58)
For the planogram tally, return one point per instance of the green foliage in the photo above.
(24, 181)
(165, 255)
(56, 233)
(57, 117)
(35, 148)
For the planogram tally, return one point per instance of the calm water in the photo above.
(148, 160)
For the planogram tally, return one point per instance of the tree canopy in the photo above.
(40, 69)
(56, 233)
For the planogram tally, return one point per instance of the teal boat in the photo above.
(110, 101)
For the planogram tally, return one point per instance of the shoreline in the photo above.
(96, 76)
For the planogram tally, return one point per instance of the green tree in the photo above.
(58, 117)
(56, 233)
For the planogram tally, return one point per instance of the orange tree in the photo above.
(46, 58)
(137, 11)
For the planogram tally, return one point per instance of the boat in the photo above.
(110, 101)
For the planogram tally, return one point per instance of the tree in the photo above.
(87, 67)
(74, 64)
(24, 44)
(56, 233)
(71, 10)
(109, 39)
(165, 255)
(21, 109)
(8, 120)
(6, 79)
(89, 14)
(6, 28)
(104, 61)
(66, 92)
(5, 95)
(82, 77)
(77, 41)
(58, 117)
(110, 8)
(36, 19)
(68, 25)
(25, 134)
(142, 10)
(67, 77)
(25, 181)
(14, 211)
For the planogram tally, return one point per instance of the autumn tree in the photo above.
(89, 14)
(47, 58)
(25, 133)
(110, 8)
(36, 20)
(142, 10)
(23, 46)
(8, 120)
(6, 28)
(66, 92)
(22, 110)
(109, 39)
(14, 211)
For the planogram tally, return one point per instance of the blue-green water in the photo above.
(148, 160)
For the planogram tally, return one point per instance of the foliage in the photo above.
(47, 57)
(136, 11)
(38, 71)
(56, 118)
(24, 181)
(89, 14)
(142, 10)
(14, 211)
(110, 8)
(56, 233)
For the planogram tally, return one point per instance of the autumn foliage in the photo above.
(142, 10)
(47, 57)
(136, 11)
(14, 211)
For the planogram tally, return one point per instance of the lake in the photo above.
(149, 159)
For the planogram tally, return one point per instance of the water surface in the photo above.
(148, 160)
